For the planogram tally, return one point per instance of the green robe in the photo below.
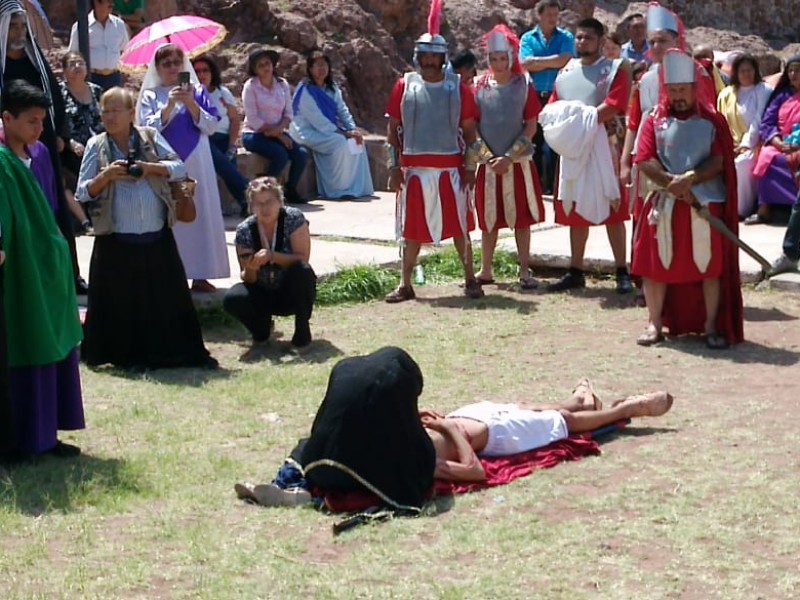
(41, 308)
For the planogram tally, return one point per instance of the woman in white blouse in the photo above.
(742, 104)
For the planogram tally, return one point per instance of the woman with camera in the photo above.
(173, 101)
(273, 246)
(140, 312)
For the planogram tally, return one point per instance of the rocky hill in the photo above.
(370, 42)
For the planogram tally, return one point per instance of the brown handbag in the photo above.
(183, 196)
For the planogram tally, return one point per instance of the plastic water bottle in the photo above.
(419, 275)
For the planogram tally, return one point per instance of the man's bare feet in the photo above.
(654, 404)
(585, 398)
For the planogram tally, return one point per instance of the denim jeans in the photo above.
(278, 155)
(226, 168)
(791, 241)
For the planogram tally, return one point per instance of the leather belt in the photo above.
(105, 72)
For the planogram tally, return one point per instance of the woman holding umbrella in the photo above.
(183, 113)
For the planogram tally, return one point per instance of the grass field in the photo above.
(701, 503)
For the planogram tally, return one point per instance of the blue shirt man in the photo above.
(636, 48)
(546, 48)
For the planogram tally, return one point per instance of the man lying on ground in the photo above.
(489, 429)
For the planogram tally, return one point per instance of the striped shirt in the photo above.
(135, 207)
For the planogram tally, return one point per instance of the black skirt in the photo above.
(140, 311)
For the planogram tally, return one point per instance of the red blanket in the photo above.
(499, 471)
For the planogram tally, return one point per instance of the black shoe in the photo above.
(62, 450)
(292, 197)
(570, 281)
(81, 287)
(624, 285)
(302, 335)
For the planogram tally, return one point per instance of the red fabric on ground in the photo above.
(499, 471)
(503, 470)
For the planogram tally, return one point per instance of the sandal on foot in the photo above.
(244, 491)
(650, 337)
(400, 294)
(596, 403)
(473, 289)
(528, 283)
(654, 404)
(715, 341)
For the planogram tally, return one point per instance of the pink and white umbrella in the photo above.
(194, 35)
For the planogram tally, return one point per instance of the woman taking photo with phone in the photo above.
(174, 103)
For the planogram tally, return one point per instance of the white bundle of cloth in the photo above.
(587, 179)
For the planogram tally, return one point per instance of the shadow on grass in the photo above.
(609, 298)
(490, 301)
(756, 314)
(282, 352)
(48, 484)
(184, 376)
(744, 353)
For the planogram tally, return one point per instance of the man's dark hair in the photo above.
(464, 59)
(19, 95)
(630, 18)
(738, 62)
(543, 5)
(592, 25)
(618, 38)
(213, 69)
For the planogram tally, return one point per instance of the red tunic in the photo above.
(617, 97)
(684, 307)
(415, 226)
(524, 217)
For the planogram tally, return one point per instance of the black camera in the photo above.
(134, 170)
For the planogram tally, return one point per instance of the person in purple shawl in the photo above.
(38, 294)
(186, 117)
(778, 160)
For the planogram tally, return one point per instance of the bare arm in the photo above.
(392, 137)
(606, 112)
(531, 125)
(300, 242)
(535, 64)
(466, 466)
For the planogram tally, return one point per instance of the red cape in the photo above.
(684, 308)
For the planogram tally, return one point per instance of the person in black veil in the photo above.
(21, 58)
(367, 429)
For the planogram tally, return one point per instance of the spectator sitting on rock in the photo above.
(323, 123)
(268, 112)
(273, 246)
(224, 140)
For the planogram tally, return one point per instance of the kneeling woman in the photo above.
(273, 246)
(140, 312)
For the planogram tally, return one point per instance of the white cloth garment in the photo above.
(513, 429)
(751, 102)
(586, 178)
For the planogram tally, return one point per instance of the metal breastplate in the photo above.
(684, 145)
(502, 108)
(431, 114)
(587, 84)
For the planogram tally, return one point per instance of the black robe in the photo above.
(369, 421)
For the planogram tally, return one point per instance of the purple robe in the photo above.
(777, 185)
(42, 169)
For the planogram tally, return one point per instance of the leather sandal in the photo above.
(715, 341)
(473, 289)
(650, 337)
(400, 294)
(528, 283)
